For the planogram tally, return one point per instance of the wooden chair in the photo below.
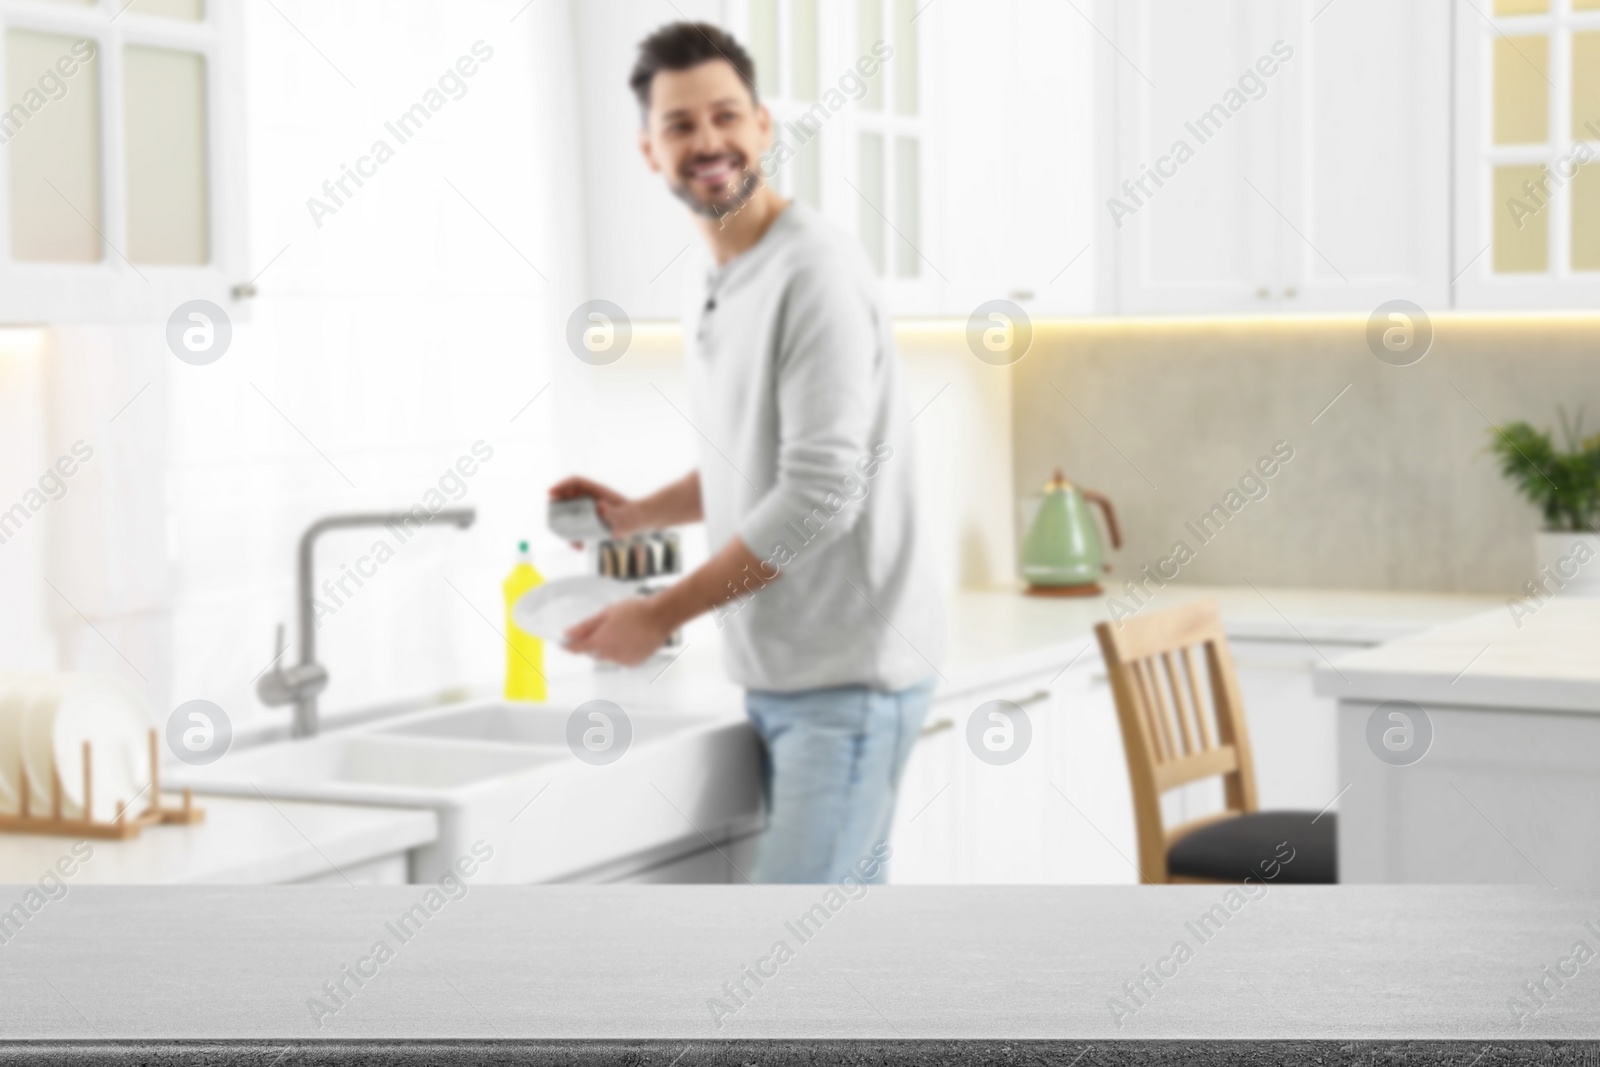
(1171, 738)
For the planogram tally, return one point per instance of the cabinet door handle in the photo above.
(1291, 292)
(1038, 696)
(936, 728)
(1263, 293)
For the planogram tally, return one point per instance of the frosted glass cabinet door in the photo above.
(1527, 133)
(51, 131)
(164, 99)
(122, 192)
(189, 10)
(872, 179)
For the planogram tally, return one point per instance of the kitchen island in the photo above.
(1468, 750)
(695, 975)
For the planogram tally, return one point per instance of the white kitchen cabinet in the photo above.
(1364, 148)
(960, 820)
(1063, 812)
(1293, 735)
(1527, 133)
(393, 869)
(1015, 157)
(1176, 214)
(725, 863)
(638, 240)
(1503, 796)
(1059, 814)
(924, 831)
(1004, 813)
(122, 164)
(965, 166)
(1276, 156)
(1090, 832)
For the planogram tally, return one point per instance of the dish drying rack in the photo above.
(120, 828)
(642, 560)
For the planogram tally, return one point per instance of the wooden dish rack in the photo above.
(122, 827)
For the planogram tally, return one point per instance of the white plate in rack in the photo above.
(553, 608)
(69, 710)
(17, 693)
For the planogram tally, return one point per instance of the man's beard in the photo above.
(749, 181)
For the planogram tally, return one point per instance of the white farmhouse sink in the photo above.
(525, 724)
(503, 774)
(363, 768)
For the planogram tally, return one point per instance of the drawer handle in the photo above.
(936, 728)
(1038, 696)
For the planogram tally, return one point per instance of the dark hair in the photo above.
(682, 45)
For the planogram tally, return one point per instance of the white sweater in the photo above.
(805, 455)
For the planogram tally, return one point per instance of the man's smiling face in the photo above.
(705, 134)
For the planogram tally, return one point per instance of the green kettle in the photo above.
(1063, 554)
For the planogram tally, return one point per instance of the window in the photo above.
(112, 152)
(1533, 120)
(845, 85)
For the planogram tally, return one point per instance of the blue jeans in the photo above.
(830, 769)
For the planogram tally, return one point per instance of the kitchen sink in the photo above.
(361, 766)
(527, 724)
(501, 775)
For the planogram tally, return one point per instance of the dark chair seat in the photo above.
(1274, 846)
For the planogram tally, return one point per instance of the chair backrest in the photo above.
(1171, 732)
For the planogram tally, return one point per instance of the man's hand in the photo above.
(626, 632)
(623, 516)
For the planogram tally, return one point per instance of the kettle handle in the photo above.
(1111, 515)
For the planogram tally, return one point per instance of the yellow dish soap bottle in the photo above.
(524, 652)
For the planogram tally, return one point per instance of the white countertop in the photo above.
(1547, 661)
(1000, 633)
(1005, 626)
(240, 841)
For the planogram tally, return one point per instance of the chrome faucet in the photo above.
(299, 685)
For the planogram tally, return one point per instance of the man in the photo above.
(805, 479)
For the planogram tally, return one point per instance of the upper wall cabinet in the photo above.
(121, 158)
(952, 139)
(1527, 142)
(847, 86)
(1275, 156)
(1016, 153)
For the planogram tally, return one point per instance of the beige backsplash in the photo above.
(1390, 488)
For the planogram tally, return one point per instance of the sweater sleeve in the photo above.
(827, 349)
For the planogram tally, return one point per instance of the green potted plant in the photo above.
(1564, 484)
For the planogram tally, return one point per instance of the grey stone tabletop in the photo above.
(644, 973)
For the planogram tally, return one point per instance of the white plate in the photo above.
(556, 607)
(60, 718)
(17, 692)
